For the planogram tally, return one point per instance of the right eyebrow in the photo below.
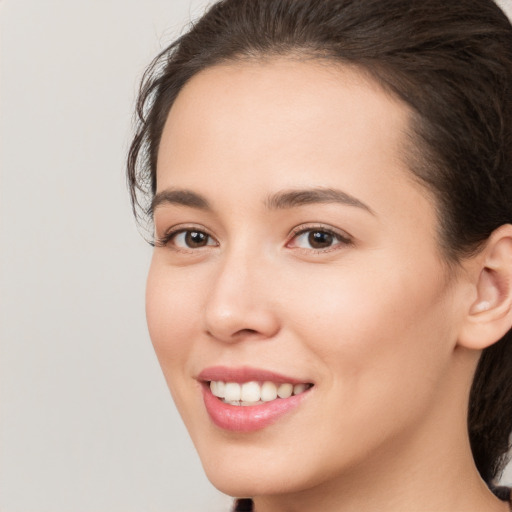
(181, 197)
(300, 197)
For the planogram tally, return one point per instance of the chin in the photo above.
(250, 482)
(236, 485)
(242, 472)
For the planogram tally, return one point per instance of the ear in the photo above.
(490, 315)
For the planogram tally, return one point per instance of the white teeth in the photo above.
(285, 390)
(299, 388)
(268, 392)
(232, 392)
(251, 392)
(217, 388)
(254, 393)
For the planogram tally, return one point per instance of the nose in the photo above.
(241, 302)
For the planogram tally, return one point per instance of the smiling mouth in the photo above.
(254, 393)
(246, 399)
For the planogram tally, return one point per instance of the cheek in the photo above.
(172, 315)
(379, 331)
(172, 310)
(381, 343)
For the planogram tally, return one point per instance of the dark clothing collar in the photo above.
(503, 493)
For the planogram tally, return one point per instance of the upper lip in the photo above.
(245, 374)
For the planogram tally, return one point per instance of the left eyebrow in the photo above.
(300, 197)
(181, 197)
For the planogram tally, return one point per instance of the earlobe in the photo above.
(490, 315)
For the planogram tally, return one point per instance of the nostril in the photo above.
(246, 331)
(237, 335)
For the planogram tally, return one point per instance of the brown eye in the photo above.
(194, 239)
(320, 239)
(190, 239)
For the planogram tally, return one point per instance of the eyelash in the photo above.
(340, 238)
(172, 233)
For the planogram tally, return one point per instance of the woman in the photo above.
(330, 295)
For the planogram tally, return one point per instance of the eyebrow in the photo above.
(179, 197)
(294, 198)
(279, 201)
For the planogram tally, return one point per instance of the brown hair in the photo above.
(451, 62)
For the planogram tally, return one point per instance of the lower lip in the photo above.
(239, 418)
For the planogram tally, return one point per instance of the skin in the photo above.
(374, 319)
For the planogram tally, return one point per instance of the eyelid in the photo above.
(343, 237)
(173, 231)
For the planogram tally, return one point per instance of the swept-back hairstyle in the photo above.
(450, 62)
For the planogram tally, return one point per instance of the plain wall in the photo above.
(86, 421)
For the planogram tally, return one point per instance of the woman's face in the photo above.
(295, 248)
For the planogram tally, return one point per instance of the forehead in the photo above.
(284, 122)
(281, 103)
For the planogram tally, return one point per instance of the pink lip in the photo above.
(246, 418)
(244, 374)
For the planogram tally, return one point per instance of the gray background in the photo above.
(86, 421)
